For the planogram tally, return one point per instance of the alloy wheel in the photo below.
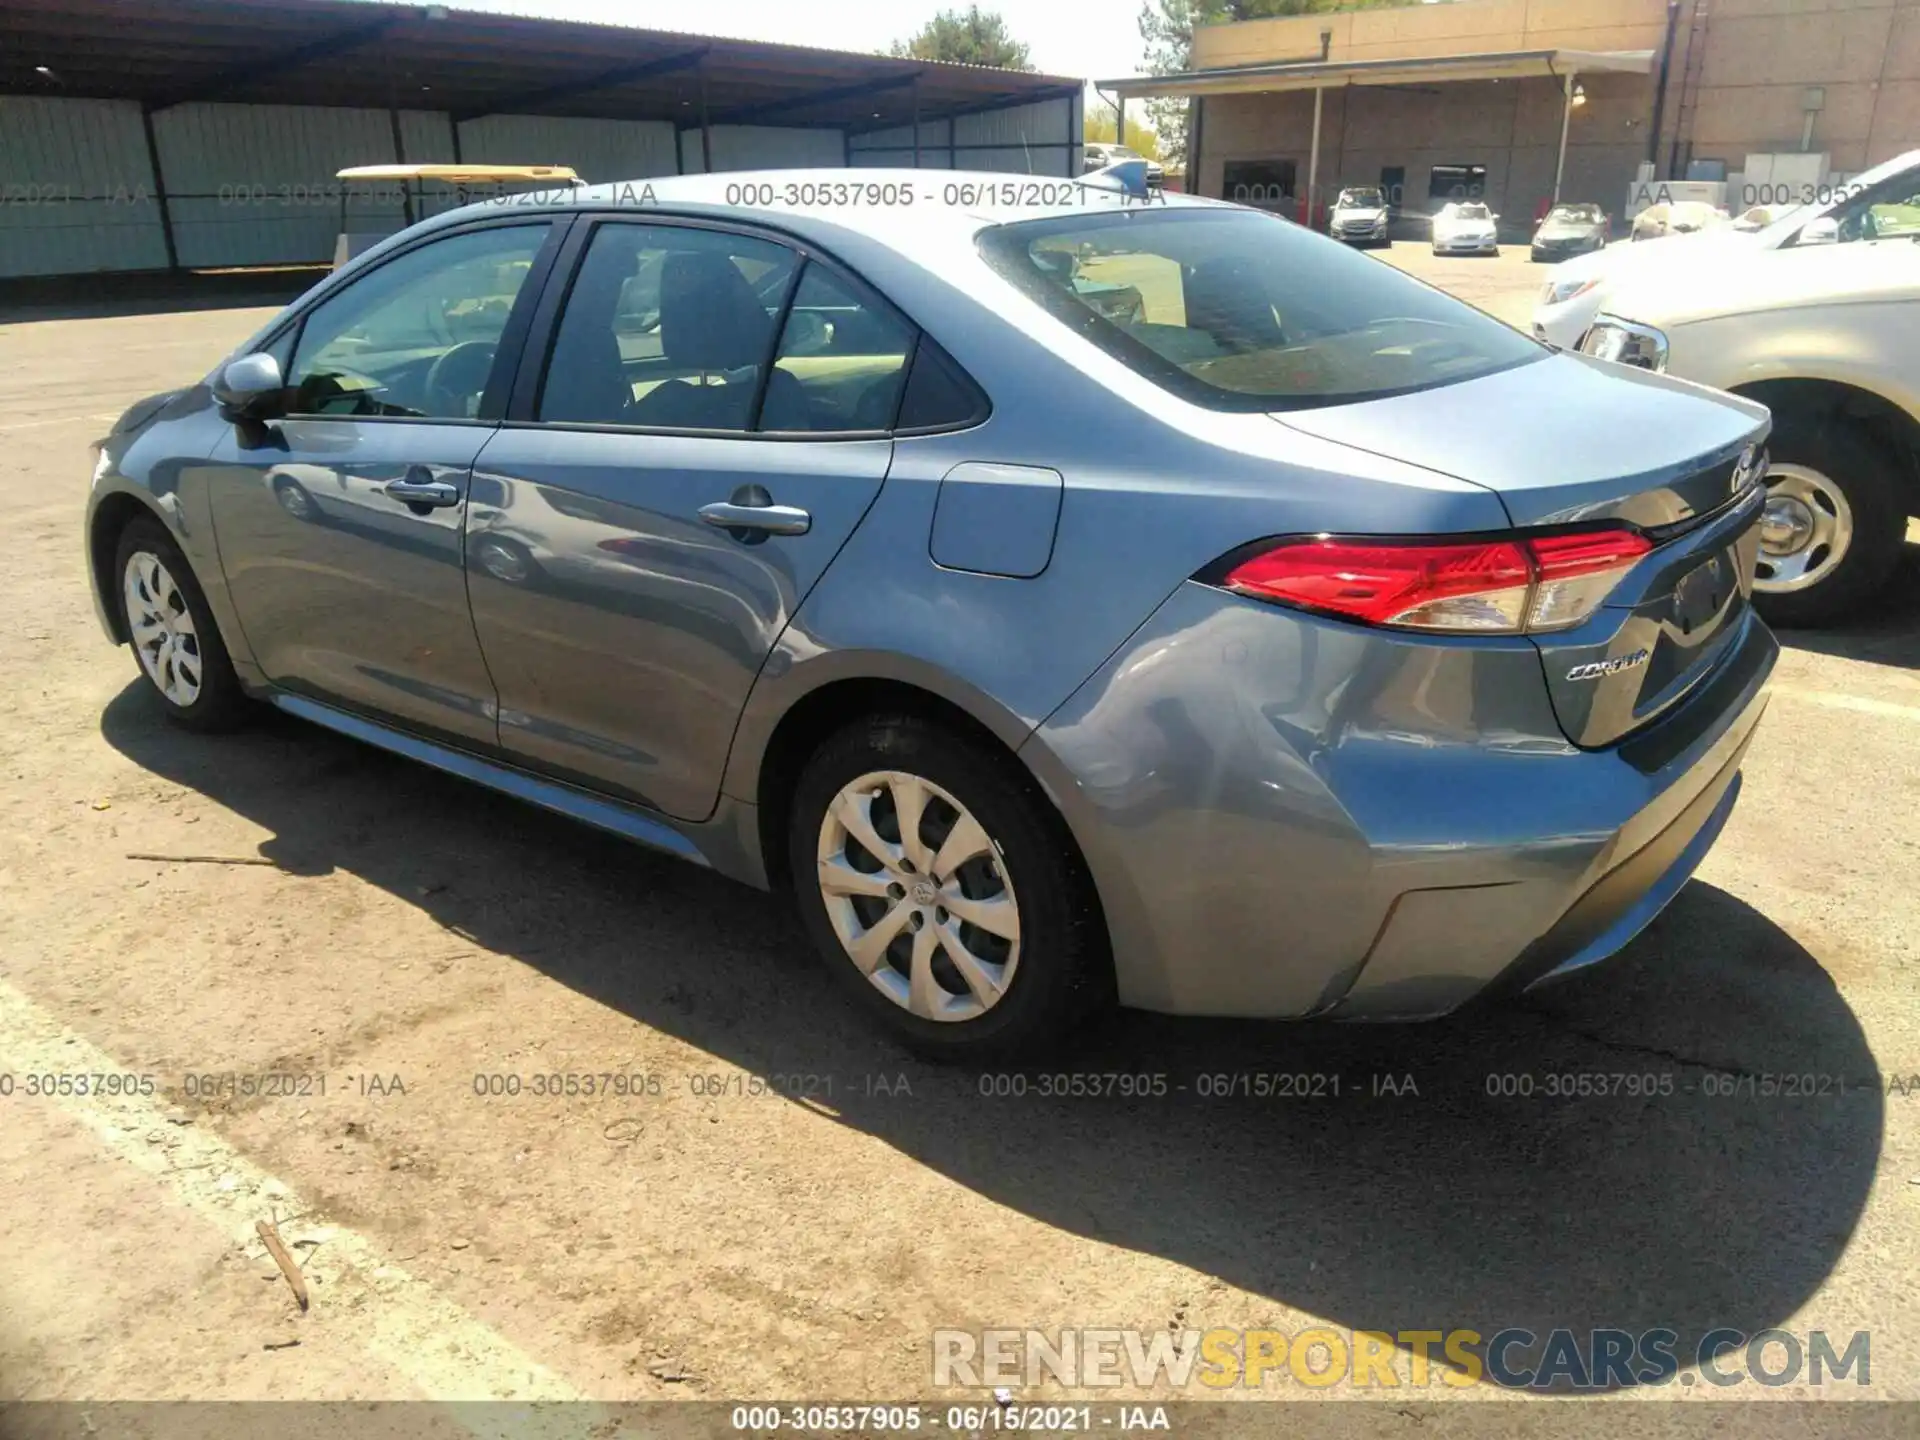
(919, 896)
(162, 627)
(1805, 530)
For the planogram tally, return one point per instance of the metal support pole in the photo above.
(1313, 155)
(1072, 163)
(159, 188)
(706, 130)
(915, 88)
(399, 145)
(1120, 118)
(1566, 119)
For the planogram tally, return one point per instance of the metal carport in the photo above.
(168, 134)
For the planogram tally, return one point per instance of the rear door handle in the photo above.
(751, 515)
(420, 492)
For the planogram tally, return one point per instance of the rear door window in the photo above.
(843, 357)
(667, 327)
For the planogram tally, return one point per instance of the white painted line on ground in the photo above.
(446, 1353)
(1862, 704)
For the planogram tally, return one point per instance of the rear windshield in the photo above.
(1239, 310)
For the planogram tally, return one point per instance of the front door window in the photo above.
(416, 337)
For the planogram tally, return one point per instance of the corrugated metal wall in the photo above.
(76, 192)
(253, 184)
(1038, 139)
(763, 147)
(598, 150)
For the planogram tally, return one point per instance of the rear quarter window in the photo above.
(1237, 310)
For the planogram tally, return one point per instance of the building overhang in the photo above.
(1421, 70)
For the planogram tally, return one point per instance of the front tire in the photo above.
(175, 641)
(944, 891)
(1834, 525)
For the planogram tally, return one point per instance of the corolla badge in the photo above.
(1595, 669)
(1744, 469)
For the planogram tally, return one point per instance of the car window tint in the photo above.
(843, 357)
(1239, 310)
(940, 395)
(415, 336)
(667, 327)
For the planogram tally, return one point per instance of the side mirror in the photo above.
(250, 388)
(1821, 230)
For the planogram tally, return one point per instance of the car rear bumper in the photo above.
(1288, 816)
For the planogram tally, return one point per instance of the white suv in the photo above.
(1829, 340)
(1863, 208)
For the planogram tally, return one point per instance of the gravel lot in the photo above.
(782, 1206)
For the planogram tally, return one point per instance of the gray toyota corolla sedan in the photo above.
(1071, 598)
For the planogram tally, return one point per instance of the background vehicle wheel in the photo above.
(508, 561)
(175, 642)
(1834, 524)
(944, 890)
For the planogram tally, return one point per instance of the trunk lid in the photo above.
(1571, 441)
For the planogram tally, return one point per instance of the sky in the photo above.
(1083, 40)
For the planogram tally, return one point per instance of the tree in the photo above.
(968, 37)
(1166, 27)
(1140, 138)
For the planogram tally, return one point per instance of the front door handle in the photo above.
(420, 492)
(751, 515)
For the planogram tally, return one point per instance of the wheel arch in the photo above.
(1891, 425)
(768, 757)
(110, 518)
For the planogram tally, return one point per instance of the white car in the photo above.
(1830, 342)
(1098, 154)
(1682, 217)
(1359, 216)
(1465, 227)
(1870, 204)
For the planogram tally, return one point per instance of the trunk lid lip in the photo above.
(1541, 437)
(1669, 663)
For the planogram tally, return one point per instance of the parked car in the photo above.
(1680, 217)
(1465, 227)
(1569, 230)
(1884, 200)
(1830, 341)
(1306, 642)
(1097, 155)
(1360, 216)
(1758, 217)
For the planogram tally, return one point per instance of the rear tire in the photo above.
(991, 849)
(1836, 521)
(175, 642)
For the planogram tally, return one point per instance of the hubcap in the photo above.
(162, 628)
(1805, 530)
(919, 896)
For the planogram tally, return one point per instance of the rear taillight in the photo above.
(1504, 586)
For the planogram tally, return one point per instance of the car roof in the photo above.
(947, 203)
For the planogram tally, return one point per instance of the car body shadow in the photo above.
(1886, 633)
(1428, 1179)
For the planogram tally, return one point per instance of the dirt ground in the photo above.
(774, 1203)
